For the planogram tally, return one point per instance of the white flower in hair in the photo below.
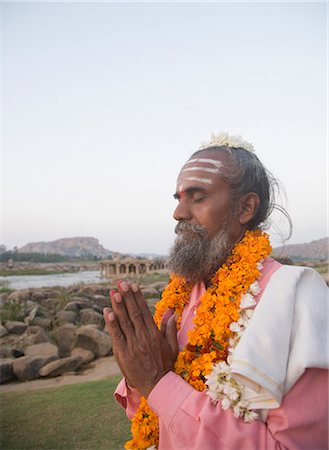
(224, 139)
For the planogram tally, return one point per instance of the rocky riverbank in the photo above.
(49, 332)
(29, 268)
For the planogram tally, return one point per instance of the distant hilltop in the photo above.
(311, 251)
(75, 247)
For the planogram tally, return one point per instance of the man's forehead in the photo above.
(202, 168)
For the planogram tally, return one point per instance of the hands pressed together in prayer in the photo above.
(143, 352)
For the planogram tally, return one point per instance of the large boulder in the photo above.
(56, 368)
(15, 327)
(8, 351)
(101, 301)
(41, 322)
(36, 335)
(66, 316)
(6, 370)
(91, 317)
(76, 304)
(3, 331)
(27, 367)
(39, 295)
(150, 291)
(86, 355)
(45, 349)
(65, 338)
(94, 340)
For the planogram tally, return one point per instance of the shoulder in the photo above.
(280, 276)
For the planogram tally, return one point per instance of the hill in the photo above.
(76, 247)
(311, 251)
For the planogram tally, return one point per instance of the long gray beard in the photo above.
(194, 255)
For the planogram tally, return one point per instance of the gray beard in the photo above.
(195, 256)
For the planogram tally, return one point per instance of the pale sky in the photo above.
(102, 103)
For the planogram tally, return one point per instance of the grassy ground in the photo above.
(81, 417)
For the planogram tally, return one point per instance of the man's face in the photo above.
(204, 197)
(206, 229)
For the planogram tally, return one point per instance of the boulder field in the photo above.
(47, 332)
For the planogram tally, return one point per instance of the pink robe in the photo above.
(189, 420)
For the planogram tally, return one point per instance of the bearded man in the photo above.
(236, 356)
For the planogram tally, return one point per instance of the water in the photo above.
(18, 282)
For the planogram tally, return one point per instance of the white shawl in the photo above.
(287, 334)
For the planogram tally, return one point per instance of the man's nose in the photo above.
(182, 212)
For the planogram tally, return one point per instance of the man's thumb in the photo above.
(171, 334)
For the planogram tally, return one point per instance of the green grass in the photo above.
(81, 416)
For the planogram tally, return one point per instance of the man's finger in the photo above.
(121, 315)
(118, 338)
(140, 300)
(133, 309)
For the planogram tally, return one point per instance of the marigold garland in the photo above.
(208, 341)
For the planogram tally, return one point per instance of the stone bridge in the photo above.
(124, 267)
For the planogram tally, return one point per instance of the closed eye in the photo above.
(197, 198)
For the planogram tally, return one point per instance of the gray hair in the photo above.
(245, 173)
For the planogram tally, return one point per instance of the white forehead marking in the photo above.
(199, 179)
(213, 162)
(201, 169)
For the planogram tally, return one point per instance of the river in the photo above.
(19, 282)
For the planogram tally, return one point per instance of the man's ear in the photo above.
(248, 206)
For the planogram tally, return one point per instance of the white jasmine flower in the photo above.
(225, 403)
(224, 139)
(235, 327)
(255, 288)
(260, 266)
(153, 447)
(250, 416)
(230, 392)
(247, 301)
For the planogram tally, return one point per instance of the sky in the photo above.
(103, 102)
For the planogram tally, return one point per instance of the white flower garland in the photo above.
(224, 139)
(222, 387)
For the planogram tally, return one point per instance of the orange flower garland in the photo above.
(208, 341)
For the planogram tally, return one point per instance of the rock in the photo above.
(101, 301)
(32, 314)
(27, 367)
(15, 327)
(159, 285)
(86, 355)
(3, 331)
(50, 303)
(36, 335)
(150, 291)
(53, 293)
(19, 296)
(89, 317)
(10, 352)
(56, 368)
(65, 337)
(41, 322)
(98, 342)
(38, 295)
(77, 304)
(6, 370)
(66, 316)
(44, 349)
